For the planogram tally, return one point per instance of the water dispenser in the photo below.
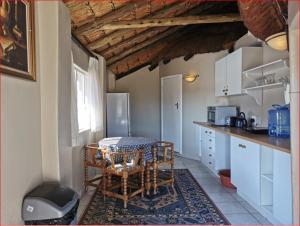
(279, 121)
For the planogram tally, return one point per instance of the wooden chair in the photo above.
(124, 165)
(93, 158)
(163, 155)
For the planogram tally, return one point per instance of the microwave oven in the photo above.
(217, 115)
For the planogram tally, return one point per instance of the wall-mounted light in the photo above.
(278, 41)
(190, 77)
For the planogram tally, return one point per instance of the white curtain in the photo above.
(95, 96)
(74, 110)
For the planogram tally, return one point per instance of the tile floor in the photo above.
(235, 209)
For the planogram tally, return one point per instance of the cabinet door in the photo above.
(234, 72)
(245, 168)
(220, 77)
(222, 151)
(282, 187)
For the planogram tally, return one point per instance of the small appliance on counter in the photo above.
(230, 121)
(279, 121)
(241, 121)
(217, 115)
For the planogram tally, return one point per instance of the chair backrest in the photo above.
(165, 148)
(92, 153)
(128, 158)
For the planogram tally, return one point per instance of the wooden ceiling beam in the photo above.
(107, 18)
(117, 36)
(191, 42)
(125, 44)
(175, 21)
(141, 45)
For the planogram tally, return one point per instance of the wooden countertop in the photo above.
(281, 144)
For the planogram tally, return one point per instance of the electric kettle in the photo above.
(241, 121)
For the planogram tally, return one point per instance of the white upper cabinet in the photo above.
(220, 77)
(234, 73)
(228, 70)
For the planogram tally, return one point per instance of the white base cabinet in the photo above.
(215, 150)
(282, 190)
(245, 168)
(263, 177)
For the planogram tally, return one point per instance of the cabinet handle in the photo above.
(225, 94)
(210, 140)
(210, 132)
(210, 163)
(210, 155)
(209, 148)
(242, 146)
(205, 131)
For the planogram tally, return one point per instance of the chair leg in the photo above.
(148, 185)
(142, 183)
(125, 192)
(155, 178)
(109, 180)
(104, 186)
(172, 173)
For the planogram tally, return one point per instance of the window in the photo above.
(84, 118)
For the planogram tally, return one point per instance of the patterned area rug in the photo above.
(187, 203)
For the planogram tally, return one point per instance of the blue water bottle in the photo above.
(279, 121)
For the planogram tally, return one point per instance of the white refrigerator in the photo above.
(118, 115)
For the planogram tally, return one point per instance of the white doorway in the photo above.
(171, 110)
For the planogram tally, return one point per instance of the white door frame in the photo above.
(180, 107)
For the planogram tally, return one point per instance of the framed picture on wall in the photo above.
(17, 38)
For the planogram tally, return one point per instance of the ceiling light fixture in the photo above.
(279, 41)
(190, 77)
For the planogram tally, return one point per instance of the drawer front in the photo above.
(207, 132)
(211, 133)
(209, 160)
(211, 164)
(210, 142)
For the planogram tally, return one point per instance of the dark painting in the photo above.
(16, 38)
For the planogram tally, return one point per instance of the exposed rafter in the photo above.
(134, 34)
(192, 42)
(127, 43)
(175, 21)
(117, 36)
(142, 45)
(107, 18)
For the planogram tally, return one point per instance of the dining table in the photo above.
(123, 144)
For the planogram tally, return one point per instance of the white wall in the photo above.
(48, 74)
(111, 81)
(196, 96)
(35, 117)
(295, 109)
(144, 90)
(21, 162)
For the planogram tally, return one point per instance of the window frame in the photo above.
(77, 69)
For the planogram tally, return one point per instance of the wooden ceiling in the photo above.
(134, 34)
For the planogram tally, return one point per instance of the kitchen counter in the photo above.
(281, 144)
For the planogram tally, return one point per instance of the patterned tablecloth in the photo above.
(120, 144)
